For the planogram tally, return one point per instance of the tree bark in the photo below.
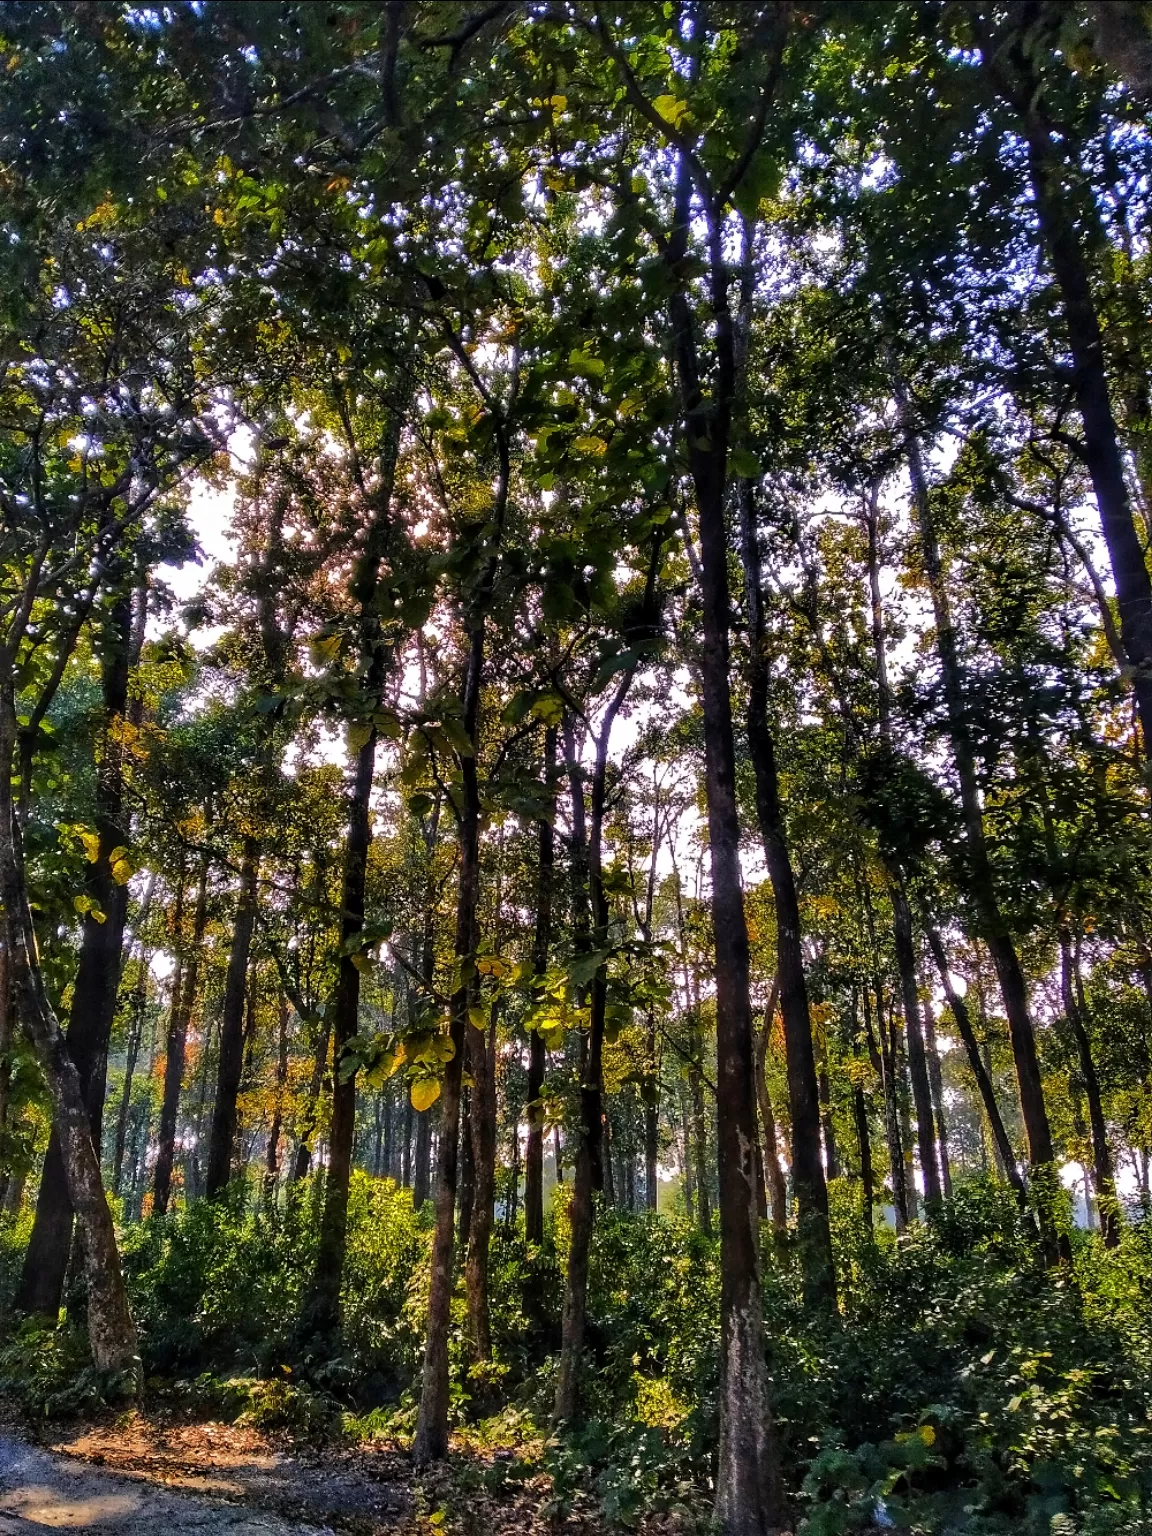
(650, 1093)
(97, 981)
(5, 1057)
(901, 914)
(272, 1150)
(592, 1163)
(882, 1051)
(482, 1128)
(827, 1124)
(773, 1173)
(302, 1160)
(135, 1032)
(230, 1062)
(321, 1312)
(185, 988)
(976, 1063)
(1076, 1012)
(808, 1176)
(864, 1144)
(431, 1442)
(937, 1083)
(111, 1332)
(914, 1035)
(748, 1493)
(537, 1054)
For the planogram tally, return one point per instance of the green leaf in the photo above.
(584, 967)
(388, 724)
(458, 736)
(585, 363)
(358, 734)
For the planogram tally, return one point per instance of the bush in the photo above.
(218, 1288)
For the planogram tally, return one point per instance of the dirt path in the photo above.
(43, 1492)
(216, 1480)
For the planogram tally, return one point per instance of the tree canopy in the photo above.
(575, 715)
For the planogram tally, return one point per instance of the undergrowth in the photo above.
(961, 1386)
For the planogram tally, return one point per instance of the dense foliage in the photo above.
(575, 713)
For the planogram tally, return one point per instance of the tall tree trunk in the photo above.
(936, 1080)
(421, 1169)
(904, 1108)
(406, 1144)
(700, 1150)
(994, 930)
(748, 1493)
(773, 1173)
(914, 1036)
(976, 1063)
(185, 988)
(864, 1145)
(230, 1063)
(322, 1307)
(901, 914)
(827, 1125)
(111, 1332)
(686, 1181)
(588, 1170)
(580, 1215)
(272, 1150)
(431, 1442)
(482, 1128)
(422, 1159)
(467, 1180)
(97, 981)
(302, 1161)
(591, 1162)
(1076, 1012)
(5, 1056)
(808, 1176)
(135, 1032)
(882, 1051)
(650, 1091)
(537, 1054)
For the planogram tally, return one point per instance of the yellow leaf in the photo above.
(361, 962)
(595, 445)
(122, 871)
(323, 648)
(478, 1018)
(91, 841)
(425, 1092)
(671, 109)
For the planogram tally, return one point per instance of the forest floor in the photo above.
(142, 1473)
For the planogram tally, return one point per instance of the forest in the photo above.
(575, 729)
